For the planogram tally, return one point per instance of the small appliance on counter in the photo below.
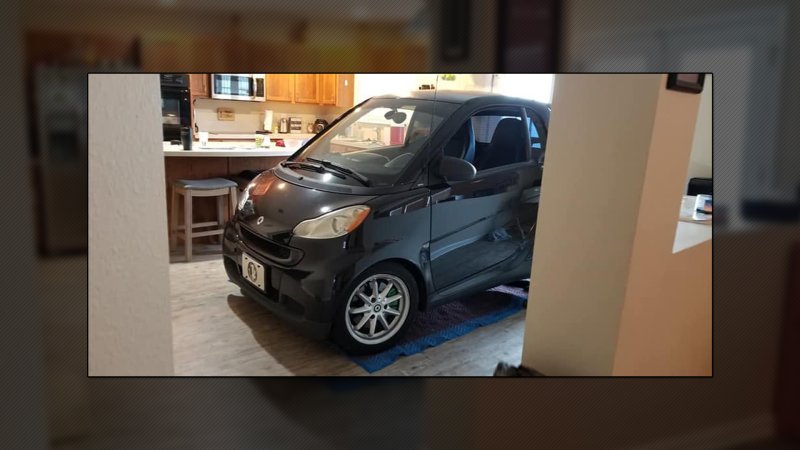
(186, 138)
(295, 125)
(319, 125)
(283, 125)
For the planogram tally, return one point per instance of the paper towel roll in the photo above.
(267, 120)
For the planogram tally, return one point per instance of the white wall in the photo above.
(537, 87)
(130, 329)
(366, 85)
(608, 295)
(249, 116)
(572, 320)
(700, 160)
(665, 325)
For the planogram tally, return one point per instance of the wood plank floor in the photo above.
(218, 332)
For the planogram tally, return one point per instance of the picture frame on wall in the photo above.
(686, 82)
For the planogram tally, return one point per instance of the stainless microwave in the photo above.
(238, 86)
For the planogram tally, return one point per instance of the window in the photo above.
(378, 139)
(499, 138)
(485, 126)
(535, 129)
(376, 128)
(534, 133)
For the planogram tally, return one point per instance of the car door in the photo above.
(479, 223)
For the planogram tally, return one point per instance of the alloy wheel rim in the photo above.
(377, 309)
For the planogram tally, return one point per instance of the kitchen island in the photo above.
(223, 160)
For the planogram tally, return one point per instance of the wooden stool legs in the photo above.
(173, 220)
(188, 226)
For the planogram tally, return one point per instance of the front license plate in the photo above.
(253, 271)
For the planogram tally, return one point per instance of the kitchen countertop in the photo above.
(690, 234)
(227, 150)
(246, 136)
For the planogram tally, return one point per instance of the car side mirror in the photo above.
(456, 169)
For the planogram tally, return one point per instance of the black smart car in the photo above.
(400, 205)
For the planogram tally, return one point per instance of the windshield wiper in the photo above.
(307, 166)
(341, 169)
(303, 165)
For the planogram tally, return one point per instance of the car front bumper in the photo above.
(303, 293)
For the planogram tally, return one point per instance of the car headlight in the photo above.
(333, 224)
(259, 186)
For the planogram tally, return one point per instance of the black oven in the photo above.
(175, 105)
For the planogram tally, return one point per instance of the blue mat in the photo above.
(512, 302)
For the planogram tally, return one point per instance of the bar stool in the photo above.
(211, 187)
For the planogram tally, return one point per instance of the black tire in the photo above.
(356, 340)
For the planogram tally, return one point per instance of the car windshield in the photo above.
(374, 144)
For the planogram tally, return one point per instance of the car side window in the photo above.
(494, 137)
(536, 132)
(501, 138)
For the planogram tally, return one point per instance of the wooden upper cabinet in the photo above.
(327, 88)
(199, 85)
(280, 87)
(344, 90)
(306, 88)
(320, 89)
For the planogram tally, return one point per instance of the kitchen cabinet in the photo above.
(327, 88)
(280, 87)
(199, 85)
(321, 89)
(306, 88)
(344, 90)
(336, 89)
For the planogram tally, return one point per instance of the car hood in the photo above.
(283, 205)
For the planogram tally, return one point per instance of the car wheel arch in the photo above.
(414, 270)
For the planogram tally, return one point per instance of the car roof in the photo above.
(464, 97)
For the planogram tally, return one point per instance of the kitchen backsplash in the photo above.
(249, 116)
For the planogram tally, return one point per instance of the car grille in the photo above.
(269, 248)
